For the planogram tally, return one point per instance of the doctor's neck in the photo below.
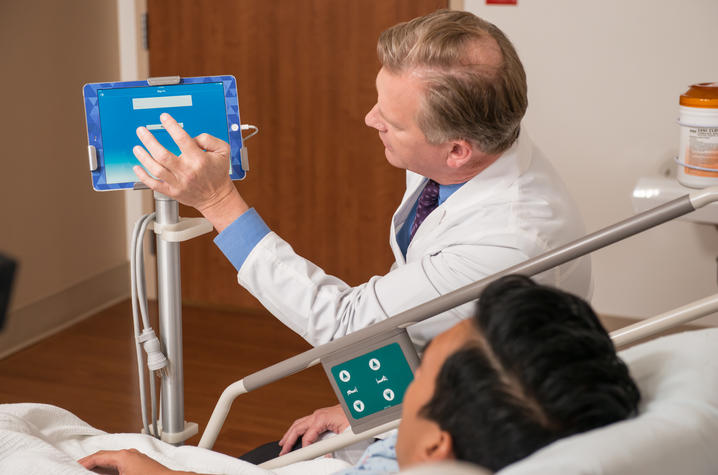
(460, 171)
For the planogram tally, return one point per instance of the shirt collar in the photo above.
(447, 190)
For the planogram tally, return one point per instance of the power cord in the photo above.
(254, 128)
(147, 339)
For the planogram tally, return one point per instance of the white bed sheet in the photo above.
(44, 439)
(676, 432)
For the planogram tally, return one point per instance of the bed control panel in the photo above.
(371, 377)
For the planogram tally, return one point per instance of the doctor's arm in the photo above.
(321, 307)
(318, 306)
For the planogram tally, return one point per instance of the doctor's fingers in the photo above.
(152, 184)
(309, 428)
(294, 432)
(312, 434)
(156, 149)
(186, 144)
(155, 167)
(322, 420)
(212, 144)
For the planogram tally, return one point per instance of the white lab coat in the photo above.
(515, 209)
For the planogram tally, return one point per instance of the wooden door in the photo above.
(305, 71)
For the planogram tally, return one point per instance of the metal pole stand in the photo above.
(171, 230)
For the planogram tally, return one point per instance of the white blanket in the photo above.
(44, 439)
(675, 433)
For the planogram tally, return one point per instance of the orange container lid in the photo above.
(704, 94)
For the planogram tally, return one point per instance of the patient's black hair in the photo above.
(540, 368)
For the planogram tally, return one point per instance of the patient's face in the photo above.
(417, 434)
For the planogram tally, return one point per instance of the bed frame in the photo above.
(401, 321)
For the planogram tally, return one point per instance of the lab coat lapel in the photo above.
(499, 175)
(429, 224)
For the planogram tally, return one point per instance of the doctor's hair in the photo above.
(541, 367)
(468, 96)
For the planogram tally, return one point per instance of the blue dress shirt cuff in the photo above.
(239, 238)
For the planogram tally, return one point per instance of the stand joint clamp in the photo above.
(184, 230)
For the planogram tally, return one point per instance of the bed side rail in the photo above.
(329, 445)
(582, 246)
(651, 326)
(621, 338)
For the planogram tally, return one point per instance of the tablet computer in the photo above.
(114, 111)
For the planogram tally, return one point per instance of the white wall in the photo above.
(604, 79)
(135, 66)
(69, 240)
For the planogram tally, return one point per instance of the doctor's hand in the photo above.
(125, 462)
(311, 427)
(199, 177)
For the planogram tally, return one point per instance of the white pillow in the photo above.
(676, 431)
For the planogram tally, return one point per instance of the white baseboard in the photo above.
(32, 323)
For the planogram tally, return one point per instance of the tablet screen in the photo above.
(114, 111)
(198, 108)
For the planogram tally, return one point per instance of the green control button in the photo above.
(374, 381)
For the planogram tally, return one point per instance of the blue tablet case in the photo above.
(115, 110)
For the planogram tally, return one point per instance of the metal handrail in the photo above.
(530, 267)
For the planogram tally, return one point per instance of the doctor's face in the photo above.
(394, 116)
(420, 439)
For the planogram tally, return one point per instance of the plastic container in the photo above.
(698, 152)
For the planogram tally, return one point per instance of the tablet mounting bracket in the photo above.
(163, 80)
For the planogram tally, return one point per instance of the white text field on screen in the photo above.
(161, 102)
(160, 126)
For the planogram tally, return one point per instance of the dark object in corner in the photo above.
(7, 272)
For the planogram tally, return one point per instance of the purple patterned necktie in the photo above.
(428, 201)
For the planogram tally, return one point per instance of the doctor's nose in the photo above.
(372, 119)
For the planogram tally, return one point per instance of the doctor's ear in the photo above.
(460, 153)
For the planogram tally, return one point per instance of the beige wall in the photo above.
(67, 238)
(134, 66)
(604, 79)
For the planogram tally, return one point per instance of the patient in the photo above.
(534, 366)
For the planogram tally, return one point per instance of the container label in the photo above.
(701, 150)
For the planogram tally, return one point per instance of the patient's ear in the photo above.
(437, 445)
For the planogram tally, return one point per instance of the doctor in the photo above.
(480, 197)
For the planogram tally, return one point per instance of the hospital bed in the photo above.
(677, 376)
(675, 433)
(395, 328)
